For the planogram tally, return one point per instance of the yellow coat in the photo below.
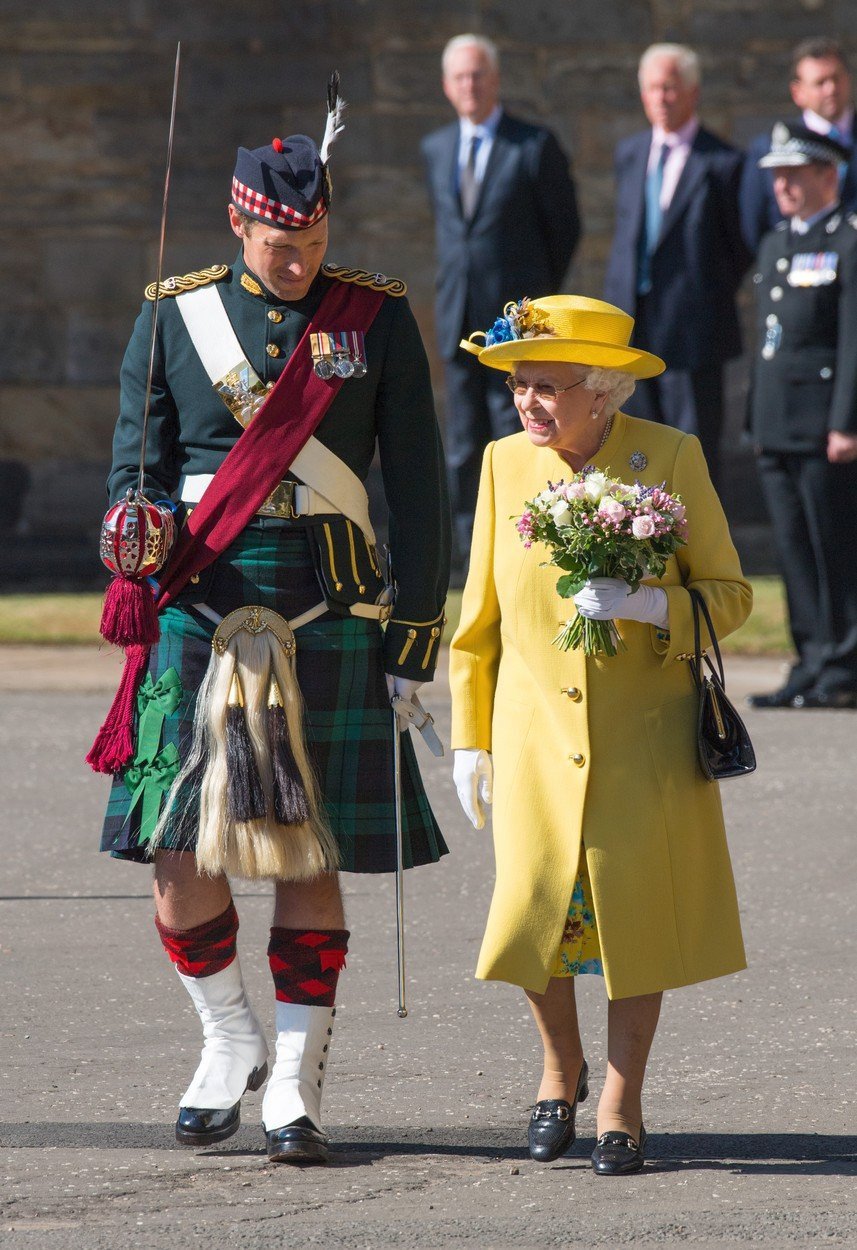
(615, 762)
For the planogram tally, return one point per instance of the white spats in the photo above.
(294, 1090)
(234, 1042)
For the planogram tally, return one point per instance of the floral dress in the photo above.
(579, 950)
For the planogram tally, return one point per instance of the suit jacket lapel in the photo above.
(450, 160)
(496, 158)
(691, 176)
(636, 181)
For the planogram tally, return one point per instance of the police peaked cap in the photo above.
(284, 184)
(794, 144)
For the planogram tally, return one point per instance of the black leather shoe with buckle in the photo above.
(300, 1143)
(784, 697)
(551, 1129)
(618, 1154)
(829, 700)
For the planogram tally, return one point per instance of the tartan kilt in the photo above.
(347, 718)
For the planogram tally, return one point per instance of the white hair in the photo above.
(471, 41)
(618, 385)
(685, 58)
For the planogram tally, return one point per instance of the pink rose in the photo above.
(575, 490)
(678, 511)
(612, 509)
(643, 527)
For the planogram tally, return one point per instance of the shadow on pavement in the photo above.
(744, 1153)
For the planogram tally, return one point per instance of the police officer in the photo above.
(225, 336)
(803, 413)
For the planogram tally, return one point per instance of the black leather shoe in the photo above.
(300, 1143)
(830, 699)
(784, 697)
(551, 1128)
(617, 1154)
(198, 1126)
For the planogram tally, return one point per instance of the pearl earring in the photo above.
(594, 413)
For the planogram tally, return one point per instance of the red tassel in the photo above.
(129, 617)
(113, 747)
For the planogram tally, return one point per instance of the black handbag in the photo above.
(724, 746)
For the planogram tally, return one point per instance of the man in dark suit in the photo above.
(507, 225)
(677, 256)
(803, 413)
(821, 89)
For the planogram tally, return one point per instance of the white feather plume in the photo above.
(335, 117)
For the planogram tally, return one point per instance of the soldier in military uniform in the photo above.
(309, 556)
(803, 413)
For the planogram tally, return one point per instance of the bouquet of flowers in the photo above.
(596, 526)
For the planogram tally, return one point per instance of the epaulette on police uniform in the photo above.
(362, 277)
(187, 281)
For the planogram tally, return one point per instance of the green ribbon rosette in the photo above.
(153, 771)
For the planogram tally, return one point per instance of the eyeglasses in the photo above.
(541, 390)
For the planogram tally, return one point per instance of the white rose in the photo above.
(595, 485)
(561, 513)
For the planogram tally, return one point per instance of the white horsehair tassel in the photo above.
(335, 117)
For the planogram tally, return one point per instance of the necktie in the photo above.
(652, 224)
(469, 184)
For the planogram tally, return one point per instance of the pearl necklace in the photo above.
(604, 437)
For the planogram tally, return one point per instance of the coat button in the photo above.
(572, 692)
(272, 350)
(275, 316)
(579, 760)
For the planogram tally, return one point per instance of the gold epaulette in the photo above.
(187, 281)
(377, 281)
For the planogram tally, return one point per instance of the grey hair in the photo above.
(470, 41)
(684, 57)
(618, 385)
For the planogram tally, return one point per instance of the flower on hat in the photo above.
(520, 320)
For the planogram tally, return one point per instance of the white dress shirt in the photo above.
(844, 124)
(679, 143)
(485, 131)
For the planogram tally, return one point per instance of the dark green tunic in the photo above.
(191, 430)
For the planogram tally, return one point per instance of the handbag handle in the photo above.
(699, 605)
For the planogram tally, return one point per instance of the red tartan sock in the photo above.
(305, 964)
(205, 949)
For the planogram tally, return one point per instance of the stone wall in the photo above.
(85, 99)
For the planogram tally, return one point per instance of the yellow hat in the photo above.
(570, 328)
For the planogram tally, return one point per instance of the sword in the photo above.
(142, 474)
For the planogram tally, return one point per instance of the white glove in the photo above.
(404, 687)
(609, 598)
(473, 774)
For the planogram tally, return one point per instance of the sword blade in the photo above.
(147, 401)
(402, 1010)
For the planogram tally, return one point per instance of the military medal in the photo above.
(339, 355)
(322, 355)
(813, 269)
(358, 352)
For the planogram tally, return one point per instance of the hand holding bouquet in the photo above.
(597, 527)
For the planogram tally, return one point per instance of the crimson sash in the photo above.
(256, 463)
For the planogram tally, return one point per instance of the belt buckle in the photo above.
(281, 502)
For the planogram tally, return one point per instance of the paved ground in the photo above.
(751, 1098)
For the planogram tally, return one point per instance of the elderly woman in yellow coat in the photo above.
(610, 849)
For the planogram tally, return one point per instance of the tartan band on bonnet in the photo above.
(265, 209)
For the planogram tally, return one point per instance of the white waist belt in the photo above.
(307, 502)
